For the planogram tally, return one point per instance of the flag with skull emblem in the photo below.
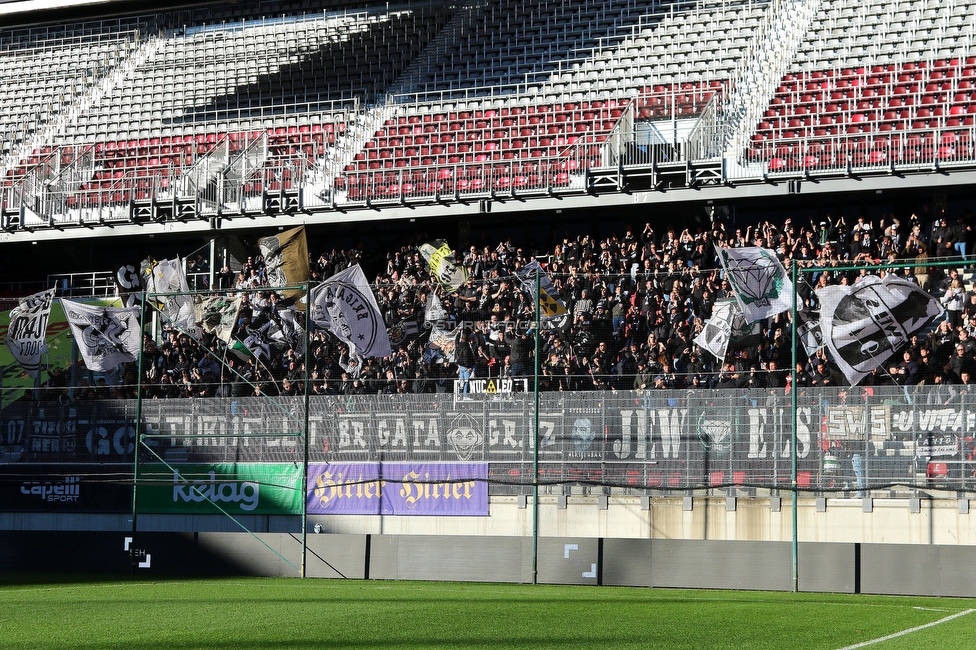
(345, 305)
(286, 261)
(106, 336)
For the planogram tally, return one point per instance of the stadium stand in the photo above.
(380, 126)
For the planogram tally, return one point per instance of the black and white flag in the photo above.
(127, 284)
(105, 336)
(168, 278)
(292, 325)
(261, 339)
(808, 331)
(726, 328)
(863, 325)
(27, 331)
(434, 311)
(403, 332)
(550, 304)
(344, 304)
(717, 331)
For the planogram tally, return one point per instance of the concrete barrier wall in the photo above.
(913, 569)
(946, 522)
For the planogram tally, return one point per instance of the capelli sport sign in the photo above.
(235, 489)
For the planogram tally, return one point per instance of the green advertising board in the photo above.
(231, 488)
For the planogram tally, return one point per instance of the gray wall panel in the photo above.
(913, 569)
(568, 560)
(899, 569)
(336, 556)
(474, 559)
(957, 571)
(382, 561)
(264, 554)
(722, 565)
(826, 567)
(627, 562)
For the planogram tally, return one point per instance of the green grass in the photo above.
(256, 613)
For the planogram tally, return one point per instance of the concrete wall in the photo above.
(760, 519)
(900, 569)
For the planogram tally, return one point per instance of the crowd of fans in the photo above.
(635, 303)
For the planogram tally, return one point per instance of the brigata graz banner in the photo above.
(66, 488)
(234, 489)
(650, 439)
(398, 488)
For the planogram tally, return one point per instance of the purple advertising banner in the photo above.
(398, 489)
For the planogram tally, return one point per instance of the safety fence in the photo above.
(613, 442)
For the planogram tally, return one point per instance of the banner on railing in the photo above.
(398, 489)
(640, 439)
(234, 489)
(66, 488)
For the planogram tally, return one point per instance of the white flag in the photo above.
(345, 305)
(167, 277)
(758, 280)
(434, 311)
(865, 324)
(217, 314)
(105, 336)
(442, 341)
(550, 304)
(727, 327)
(717, 331)
(26, 334)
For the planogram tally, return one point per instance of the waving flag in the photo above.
(261, 339)
(345, 305)
(550, 304)
(808, 330)
(726, 327)
(440, 258)
(26, 332)
(286, 261)
(434, 311)
(292, 325)
(217, 314)
(441, 343)
(105, 336)
(717, 331)
(167, 277)
(863, 325)
(758, 280)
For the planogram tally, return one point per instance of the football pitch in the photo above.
(90, 612)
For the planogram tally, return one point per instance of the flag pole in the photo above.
(135, 451)
(794, 546)
(304, 485)
(535, 437)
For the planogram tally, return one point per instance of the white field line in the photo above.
(909, 630)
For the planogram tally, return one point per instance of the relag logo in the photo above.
(244, 493)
